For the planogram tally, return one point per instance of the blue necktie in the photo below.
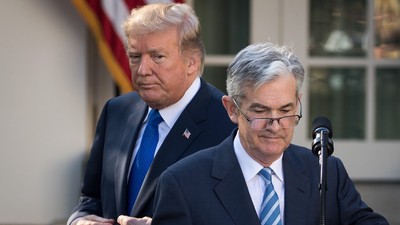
(270, 212)
(144, 157)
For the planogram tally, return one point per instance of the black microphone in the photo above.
(322, 134)
(322, 147)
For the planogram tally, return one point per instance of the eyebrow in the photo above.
(150, 51)
(258, 105)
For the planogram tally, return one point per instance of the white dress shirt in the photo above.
(255, 183)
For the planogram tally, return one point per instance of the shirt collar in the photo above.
(249, 166)
(170, 114)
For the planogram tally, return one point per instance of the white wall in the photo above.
(44, 110)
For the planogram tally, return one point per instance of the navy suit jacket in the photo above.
(208, 188)
(104, 190)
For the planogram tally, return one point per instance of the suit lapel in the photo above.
(232, 190)
(297, 188)
(132, 129)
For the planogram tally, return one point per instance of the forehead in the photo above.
(277, 92)
(161, 40)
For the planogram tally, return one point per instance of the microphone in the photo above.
(322, 147)
(322, 134)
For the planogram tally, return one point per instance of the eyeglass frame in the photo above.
(271, 120)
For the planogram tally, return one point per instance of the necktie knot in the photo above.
(154, 118)
(266, 174)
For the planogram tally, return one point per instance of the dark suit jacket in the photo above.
(104, 190)
(208, 188)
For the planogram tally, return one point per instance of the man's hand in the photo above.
(126, 220)
(92, 220)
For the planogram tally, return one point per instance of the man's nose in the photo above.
(144, 66)
(273, 123)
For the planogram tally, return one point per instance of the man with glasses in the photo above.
(256, 176)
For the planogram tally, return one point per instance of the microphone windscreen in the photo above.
(321, 122)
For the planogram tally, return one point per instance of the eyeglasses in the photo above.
(263, 123)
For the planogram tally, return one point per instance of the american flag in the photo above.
(104, 18)
(186, 134)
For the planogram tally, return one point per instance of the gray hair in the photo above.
(159, 17)
(261, 63)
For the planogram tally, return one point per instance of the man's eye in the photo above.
(259, 111)
(134, 58)
(285, 111)
(158, 58)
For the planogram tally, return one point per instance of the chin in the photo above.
(274, 147)
(149, 95)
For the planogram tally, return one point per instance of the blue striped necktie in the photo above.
(144, 157)
(270, 212)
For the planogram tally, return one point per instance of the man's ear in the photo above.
(230, 108)
(193, 63)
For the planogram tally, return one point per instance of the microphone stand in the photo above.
(323, 175)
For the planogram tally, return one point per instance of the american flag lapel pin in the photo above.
(186, 134)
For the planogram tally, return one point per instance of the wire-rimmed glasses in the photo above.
(263, 123)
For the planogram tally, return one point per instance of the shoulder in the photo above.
(206, 107)
(122, 106)
(204, 160)
(125, 102)
(124, 99)
(209, 91)
(300, 153)
(212, 89)
(195, 166)
(194, 162)
(304, 153)
(302, 158)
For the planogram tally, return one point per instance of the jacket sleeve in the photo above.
(90, 200)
